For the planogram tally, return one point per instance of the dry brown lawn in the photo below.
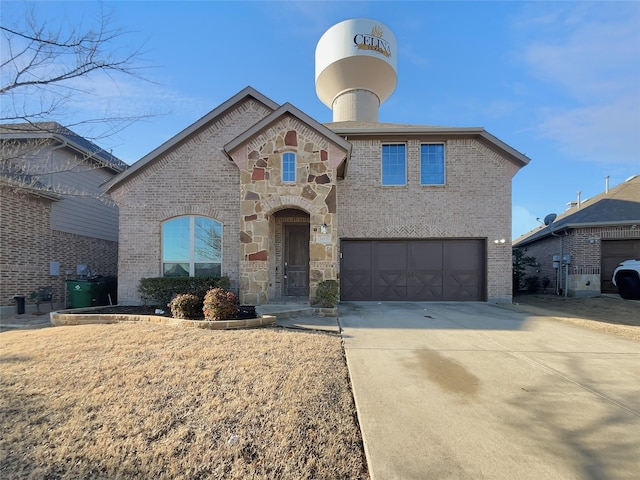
(148, 401)
(609, 314)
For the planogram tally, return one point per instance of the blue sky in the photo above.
(557, 81)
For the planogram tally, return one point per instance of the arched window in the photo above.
(191, 246)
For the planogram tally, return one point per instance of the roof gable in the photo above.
(276, 116)
(287, 109)
(185, 134)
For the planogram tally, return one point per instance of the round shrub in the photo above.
(186, 305)
(220, 304)
(327, 294)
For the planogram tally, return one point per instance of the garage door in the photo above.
(614, 252)
(415, 270)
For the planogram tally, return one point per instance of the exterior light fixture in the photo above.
(323, 228)
(496, 241)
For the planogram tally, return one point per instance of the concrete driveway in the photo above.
(478, 391)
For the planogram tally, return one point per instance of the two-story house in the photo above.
(279, 202)
(56, 223)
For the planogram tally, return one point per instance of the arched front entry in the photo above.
(289, 270)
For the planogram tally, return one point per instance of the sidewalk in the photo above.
(26, 320)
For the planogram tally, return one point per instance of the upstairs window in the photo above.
(288, 167)
(394, 164)
(191, 246)
(432, 164)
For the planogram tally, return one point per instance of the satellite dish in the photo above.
(548, 220)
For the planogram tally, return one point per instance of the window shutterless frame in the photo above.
(288, 167)
(393, 166)
(432, 164)
(191, 246)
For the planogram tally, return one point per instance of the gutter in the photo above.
(403, 131)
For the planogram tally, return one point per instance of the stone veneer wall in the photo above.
(474, 203)
(28, 244)
(263, 193)
(193, 178)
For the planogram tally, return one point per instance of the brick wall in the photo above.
(474, 203)
(585, 247)
(28, 245)
(543, 252)
(193, 178)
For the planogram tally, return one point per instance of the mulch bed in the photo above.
(244, 311)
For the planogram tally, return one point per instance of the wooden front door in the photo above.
(296, 260)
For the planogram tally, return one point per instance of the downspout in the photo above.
(559, 273)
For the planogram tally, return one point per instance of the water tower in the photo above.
(356, 69)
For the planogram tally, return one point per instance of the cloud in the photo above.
(587, 58)
(608, 133)
(522, 221)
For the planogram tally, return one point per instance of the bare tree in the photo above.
(43, 67)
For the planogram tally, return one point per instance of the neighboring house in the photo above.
(579, 250)
(55, 221)
(278, 202)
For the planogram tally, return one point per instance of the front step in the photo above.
(285, 310)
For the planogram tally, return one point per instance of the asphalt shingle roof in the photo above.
(620, 205)
(54, 129)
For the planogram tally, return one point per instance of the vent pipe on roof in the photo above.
(578, 202)
(606, 184)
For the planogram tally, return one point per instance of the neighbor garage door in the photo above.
(416, 270)
(614, 252)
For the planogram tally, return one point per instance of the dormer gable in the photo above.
(285, 129)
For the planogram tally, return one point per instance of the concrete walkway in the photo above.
(477, 391)
(25, 321)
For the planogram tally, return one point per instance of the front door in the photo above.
(296, 260)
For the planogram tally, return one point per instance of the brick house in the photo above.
(54, 218)
(278, 202)
(587, 241)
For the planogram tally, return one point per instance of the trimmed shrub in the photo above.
(532, 284)
(220, 304)
(186, 305)
(159, 291)
(327, 294)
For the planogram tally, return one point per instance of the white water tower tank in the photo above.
(356, 69)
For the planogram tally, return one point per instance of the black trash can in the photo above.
(20, 301)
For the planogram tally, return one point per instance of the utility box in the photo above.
(84, 293)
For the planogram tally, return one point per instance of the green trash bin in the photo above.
(83, 293)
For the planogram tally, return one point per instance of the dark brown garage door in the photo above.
(614, 252)
(415, 270)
